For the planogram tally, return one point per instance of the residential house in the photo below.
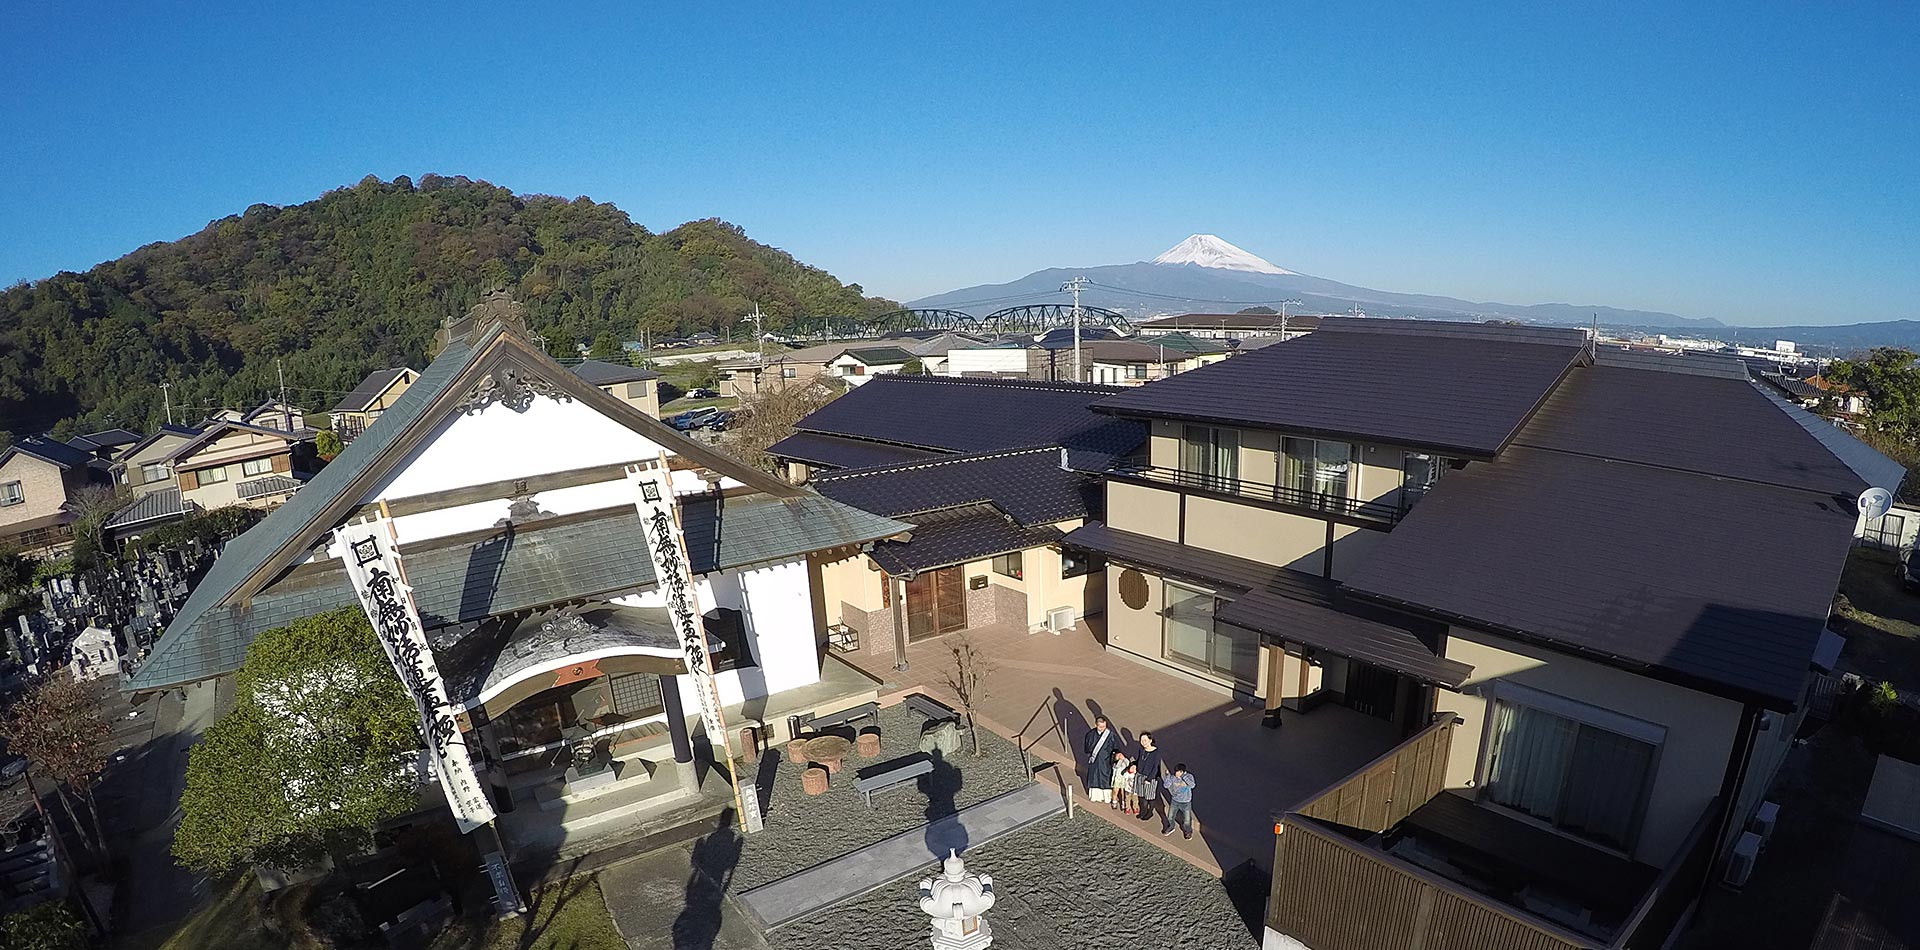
(798, 367)
(237, 463)
(991, 474)
(40, 478)
(1013, 359)
(272, 414)
(146, 470)
(630, 384)
(516, 494)
(381, 389)
(1140, 361)
(1589, 587)
(931, 347)
(1230, 326)
(107, 444)
(857, 364)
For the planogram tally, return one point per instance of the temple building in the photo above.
(505, 480)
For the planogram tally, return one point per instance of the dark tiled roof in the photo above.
(1227, 573)
(165, 430)
(1721, 584)
(1372, 640)
(603, 373)
(108, 438)
(51, 451)
(1233, 321)
(369, 389)
(832, 451)
(152, 506)
(1184, 342)
(1028, 485)
(1460, 389)
(1128, 351)
(881, 355)
(520, 569)
(956, 536)
(270, 485)
(972, 415)
(1713, 425)
(1790, 386)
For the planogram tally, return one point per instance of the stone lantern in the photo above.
(955, 900)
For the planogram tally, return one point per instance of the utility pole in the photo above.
(166, 399)
(1076, 285)
(285, 409)
(1283, 317)
(759, 336)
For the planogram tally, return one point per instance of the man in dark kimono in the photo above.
(1098, 748)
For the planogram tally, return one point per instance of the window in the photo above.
(1079, 564)
(637, 694)
(726, 639)
(1210, 457)
(857, 369)
(252, 467)
(1009, 564)
(1192, 639)
(1581, 778)
(1418, 473)
(789, 372)
(1136, 371)
(154, 472)
(11, 493)
(208, 476)
(1315, 471)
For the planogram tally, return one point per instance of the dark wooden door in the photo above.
(936, 603)
(1371, 690)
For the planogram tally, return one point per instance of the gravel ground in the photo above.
(802, 831)
(1066, 882)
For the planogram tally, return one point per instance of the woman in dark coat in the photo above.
(1098, 747)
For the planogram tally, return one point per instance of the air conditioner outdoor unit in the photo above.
(1764, 819)
(1740, 863)
(1058, 619)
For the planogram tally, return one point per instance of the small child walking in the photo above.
(1180, 794)
(1122, 783)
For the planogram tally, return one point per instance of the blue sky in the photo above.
(1757, 162)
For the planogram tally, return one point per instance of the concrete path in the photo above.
(668, 901)
(159, 893)
(877, 865)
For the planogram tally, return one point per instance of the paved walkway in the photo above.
(1246, 772)
(877, 865)
(146, 786)
(675, 899)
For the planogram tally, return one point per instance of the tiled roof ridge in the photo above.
(930, 463)
(1500, 332)
(1035, 384)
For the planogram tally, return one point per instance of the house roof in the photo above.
(832, 451)
(1128, 351)
(1459, 389)
(603, 373)
(957, 536)
(1791, 386)
(821, 353)
(377, 382)
(973, 415)
(107, 438)
(208, 636)
(880, 355)
(1184, 342)
(1232, 321)
(1370, 639)
(269, 485)
(49, 450)
(215, 430)
(158, 434)
(1028, 485)
(153, 506)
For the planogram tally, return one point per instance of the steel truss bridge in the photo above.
(1028, 320)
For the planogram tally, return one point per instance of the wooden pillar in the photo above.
(897, 594)
(1276, 674)
(676, 719)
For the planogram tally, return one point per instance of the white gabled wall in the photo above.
(776, 609)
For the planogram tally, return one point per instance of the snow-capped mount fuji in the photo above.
(1207, 250)
(1208, 274)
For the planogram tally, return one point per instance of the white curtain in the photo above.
(1531, 754)
(1605, 786)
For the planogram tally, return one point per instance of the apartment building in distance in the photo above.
(1589, 587)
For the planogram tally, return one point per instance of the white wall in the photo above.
(966, 362)
(776, 610)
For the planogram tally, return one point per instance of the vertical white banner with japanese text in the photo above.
(660, 518)
(373, 563)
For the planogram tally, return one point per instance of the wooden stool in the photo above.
(868, 745)
(813, 781)
(750, 745)
(796, 751)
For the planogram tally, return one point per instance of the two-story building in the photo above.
(857, 364)
(39, 479)
(1588, 585)
(375, 394)
(633, 385)
(781, 370)
(238, 463)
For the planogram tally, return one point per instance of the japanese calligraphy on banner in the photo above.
(373, 563)
(660, 519)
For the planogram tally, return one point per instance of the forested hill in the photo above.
(359, 279)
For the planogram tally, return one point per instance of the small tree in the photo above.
(770, 416)
(60, 728)
(49, 926)
(968, 680)
(316, 751)
(327, 444)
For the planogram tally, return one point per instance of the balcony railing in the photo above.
(1334, 888)
(1338, 505)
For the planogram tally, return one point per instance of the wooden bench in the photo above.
(933, 709)
(843, 717)
(885, 775)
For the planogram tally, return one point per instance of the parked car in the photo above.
(702, 393)
(1910, 569)
(691, 419)
(719, 422)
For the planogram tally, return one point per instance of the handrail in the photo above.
(1280, 494)
(1053, 725)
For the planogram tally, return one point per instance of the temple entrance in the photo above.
(936, 603)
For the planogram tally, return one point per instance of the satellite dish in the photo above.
(1875, 502)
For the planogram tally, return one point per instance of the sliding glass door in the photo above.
(1210, 457)
(1194, 640)
(1579, 777)
(1315, 472)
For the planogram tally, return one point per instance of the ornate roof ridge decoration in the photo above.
(511, 385)
(495, 306)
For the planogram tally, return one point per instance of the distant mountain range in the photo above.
(1206, 273)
